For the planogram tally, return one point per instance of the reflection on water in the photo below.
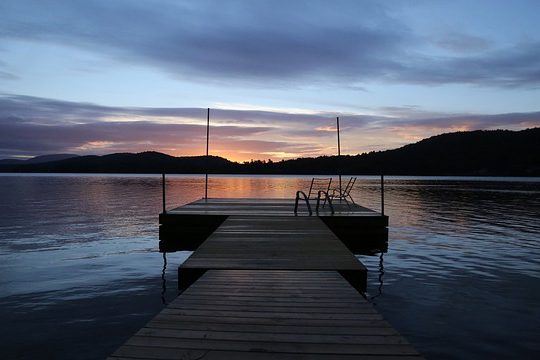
(79, 260)
(233, 187)
(463, 265)
(164, 280)
(380, 278)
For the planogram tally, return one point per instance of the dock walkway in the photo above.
(268, 314)
(273, 243)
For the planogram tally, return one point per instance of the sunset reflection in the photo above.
(249, 186)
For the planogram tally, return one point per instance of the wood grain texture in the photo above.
(336, 324)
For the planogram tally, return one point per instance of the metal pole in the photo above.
(207, 141)
(382, 194)
(163, 190)
(339, 155)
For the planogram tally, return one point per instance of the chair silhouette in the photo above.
(318, 184)
(344, 194)
(319, 188)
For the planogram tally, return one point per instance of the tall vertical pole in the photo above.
(339, 154)
(163, 191)
(382, 194)
(207, 141)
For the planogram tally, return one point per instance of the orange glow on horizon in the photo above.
(282, 145)
(236, 156)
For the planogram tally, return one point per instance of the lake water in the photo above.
(80, 271)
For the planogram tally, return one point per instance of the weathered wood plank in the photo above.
(272, 315)
(270, 307)
(370, 328)
(274, 321)
(264, 346)
(270, 337)
(275, 299)
(140, 352)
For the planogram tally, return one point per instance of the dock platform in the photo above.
(268, 207)
(188, 226)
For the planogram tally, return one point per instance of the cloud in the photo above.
(276, 42)
(251, 40)
(4, 75)
(462, 43)
(31, 126)
(411, 116)
(516, 66)
(409, 125)
(34, 126)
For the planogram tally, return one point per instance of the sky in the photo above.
(105, 76)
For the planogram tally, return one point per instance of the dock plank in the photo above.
(277, 206)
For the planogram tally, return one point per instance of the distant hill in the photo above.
(473, 153)
(145, 162)
(38, 159)
(494, 152)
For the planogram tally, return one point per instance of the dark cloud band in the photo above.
(342, 42)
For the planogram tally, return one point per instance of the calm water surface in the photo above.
(80, 271)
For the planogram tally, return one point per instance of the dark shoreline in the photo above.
(475, 153)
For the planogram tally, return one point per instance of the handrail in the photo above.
(298, 193)
(326, 198)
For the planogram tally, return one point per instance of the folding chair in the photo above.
(344, 194)
(318, 184)
(316, 188)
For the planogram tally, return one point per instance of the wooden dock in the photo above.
(265, 283)
(273, 243)
(187, 227)
(269, 207)
(268, 314)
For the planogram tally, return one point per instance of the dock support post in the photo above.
(207, 141)
(163, 191)
(382, 195)
(339, 156)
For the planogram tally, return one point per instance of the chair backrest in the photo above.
(319, 184)
(349, 186)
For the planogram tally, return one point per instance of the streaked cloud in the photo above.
(459, 42)
(278, 42)
(34, 126)
(4, 75)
